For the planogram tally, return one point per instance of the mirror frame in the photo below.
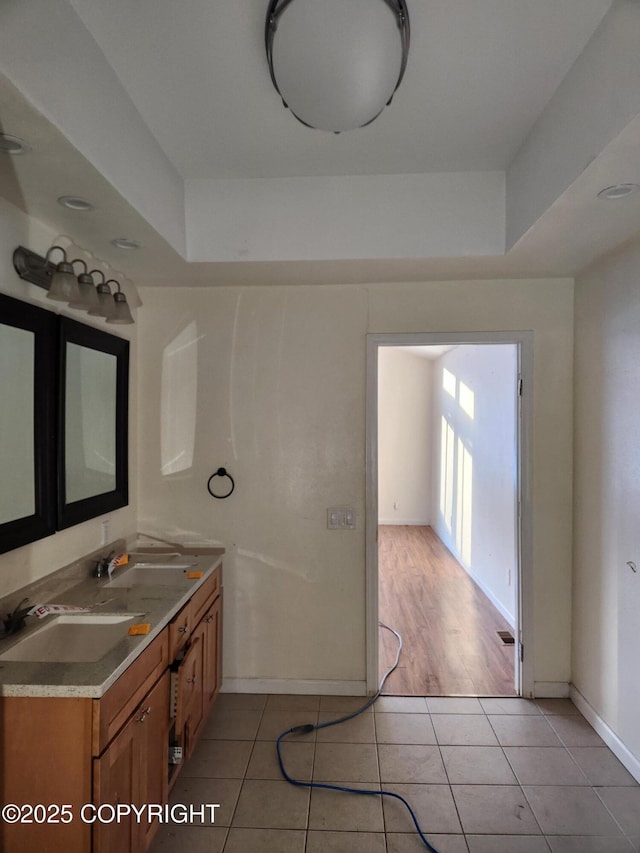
(43, 324)
(70, 513)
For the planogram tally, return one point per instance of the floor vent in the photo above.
(506, 637)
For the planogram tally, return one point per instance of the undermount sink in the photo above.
(77, 638)
(154, 574)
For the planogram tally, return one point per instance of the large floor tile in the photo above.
(510, 705)
(346, 762)
(195, 839)
(264, 840)
(404, 728)
(401, 705)
(232, 724)
(345, 842)
(203, 791)
(454, 705)
(404, 763)
(565, 810)
(588, 844)
(288, 702)
(271, 805)
(274, 723)
(521, 730)
(432, 805)
(564, 707)
(296, 757)
(575, 731)
(360, 729)
(507, 844)
(477, 765)
(244, 701)
(410, 842)
(340, 811)
(600, 766)
(624, 805)
(494, 810)
(544, 765)
(219, 759)
(340, 705)
(464, 730)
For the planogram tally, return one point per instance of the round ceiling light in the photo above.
(12, 145)
(618, 191)
(125, 243)
(337, 64)
(74, 202)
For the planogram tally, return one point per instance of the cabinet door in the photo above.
(153, 731)
(194, 700)
(116, 777)
(212, 654)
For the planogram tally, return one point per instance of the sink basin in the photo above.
(154, 574)
(73, 639)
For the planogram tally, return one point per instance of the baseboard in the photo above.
(499, 607)
(314, 687)
(551, 689)
(617, 747)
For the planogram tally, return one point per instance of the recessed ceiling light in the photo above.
(125, 243)
(12, 145)
(74, 202)
(618, 191)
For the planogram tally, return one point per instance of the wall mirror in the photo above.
(27, 423)
(64, 390)
(92, 423)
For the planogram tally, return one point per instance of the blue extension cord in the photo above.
(309, 727)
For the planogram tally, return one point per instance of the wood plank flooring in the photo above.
(448, 625)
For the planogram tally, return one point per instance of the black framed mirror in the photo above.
(93, 420)
(27, 423)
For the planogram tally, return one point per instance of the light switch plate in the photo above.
(341, 518)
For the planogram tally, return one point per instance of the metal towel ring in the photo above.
(221, 472)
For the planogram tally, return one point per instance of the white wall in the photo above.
(404, 437)
(474, 402)
(26, 564)
(606, 593)
(280, 402)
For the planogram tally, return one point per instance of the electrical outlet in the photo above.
(341, 518)
(106, 531)
(508, 577)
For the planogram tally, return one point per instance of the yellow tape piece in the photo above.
(193, 575)
(142, 628)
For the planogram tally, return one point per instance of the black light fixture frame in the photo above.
(33, 268)
(277, 7)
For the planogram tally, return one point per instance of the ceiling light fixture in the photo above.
(12, 144)
(618, 191)
(337, 64)
(74, 202)
(125, 243)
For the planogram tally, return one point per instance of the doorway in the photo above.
(448, 543)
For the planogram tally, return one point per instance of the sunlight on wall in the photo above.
(466, 398)
(449, 382)
(464, 501)
(447, 463)
(456, 469)
(178, 401)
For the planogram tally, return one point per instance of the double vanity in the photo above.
(102, 705)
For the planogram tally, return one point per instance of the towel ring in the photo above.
(221, 472)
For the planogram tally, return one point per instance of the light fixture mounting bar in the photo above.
(33, 268)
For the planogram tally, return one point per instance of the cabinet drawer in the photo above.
(205, 596)
(118, 703)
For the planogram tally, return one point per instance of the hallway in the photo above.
(448, 625)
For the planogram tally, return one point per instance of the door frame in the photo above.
(524, 517)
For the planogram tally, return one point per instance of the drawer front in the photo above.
(113, 709)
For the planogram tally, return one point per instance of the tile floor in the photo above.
(483, 775)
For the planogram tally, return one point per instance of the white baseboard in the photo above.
(313, 687)
(617, 747)
(551, 689)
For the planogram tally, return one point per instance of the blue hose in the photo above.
(309, 727)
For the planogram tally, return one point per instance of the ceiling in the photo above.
(486, 163)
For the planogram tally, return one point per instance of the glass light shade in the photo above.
(88, 294)
(64, 284)
(106, 306)
(336, 64)
(122, 314)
